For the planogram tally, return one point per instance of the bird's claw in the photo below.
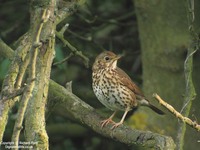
(106, 122)
(116, 125)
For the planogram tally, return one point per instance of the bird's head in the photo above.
(106, 59)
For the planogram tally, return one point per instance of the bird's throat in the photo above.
(113, 65)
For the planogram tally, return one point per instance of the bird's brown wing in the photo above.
(126, 81)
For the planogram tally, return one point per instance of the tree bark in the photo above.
(35, 114)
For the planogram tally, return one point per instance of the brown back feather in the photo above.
(125, 79)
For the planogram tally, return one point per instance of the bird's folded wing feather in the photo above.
(126, 81)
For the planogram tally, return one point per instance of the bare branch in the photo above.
(64, 60)
(71, 47)
(178, 115)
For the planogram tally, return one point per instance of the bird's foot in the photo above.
(106, 122)
(116, 125)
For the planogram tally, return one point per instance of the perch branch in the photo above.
(186, 120)
(88, 116)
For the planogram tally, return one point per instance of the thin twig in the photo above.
(88, 39)
(64, 60)
(22, 70)
(68, 86)
(71, 47)
(178, 115)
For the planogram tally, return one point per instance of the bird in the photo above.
(115, 89)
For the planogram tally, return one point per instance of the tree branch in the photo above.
(11, 83)
(64, 60)
(178, 115)
(67, 8)
(14, 94)
(88, 116)
(74, 51)
(6, 51)
(35, 126)
(29, 88)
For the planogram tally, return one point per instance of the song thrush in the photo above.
(115, 89)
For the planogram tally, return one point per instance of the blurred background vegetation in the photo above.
(98, 25)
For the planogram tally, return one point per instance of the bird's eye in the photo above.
(107, 58)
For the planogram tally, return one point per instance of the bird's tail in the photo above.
(145, 102)
(155, 109)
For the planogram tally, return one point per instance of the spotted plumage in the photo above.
(114, 88)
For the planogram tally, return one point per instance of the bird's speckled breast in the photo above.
(109, 91)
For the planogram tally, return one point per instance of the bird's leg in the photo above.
(121, 121)
(109, 120)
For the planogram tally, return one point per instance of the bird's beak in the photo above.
(117, 57)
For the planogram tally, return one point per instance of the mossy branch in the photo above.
(31, 82)
(88, 116)
(12, 82)
(14, 94)
(8, 52)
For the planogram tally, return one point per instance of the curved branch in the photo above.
(88, 116)
(6, 50)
